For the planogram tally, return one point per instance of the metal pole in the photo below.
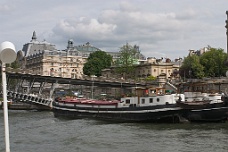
(6, 123)
(227, 32)
(92, 77)
(92, 88)
(179, 69)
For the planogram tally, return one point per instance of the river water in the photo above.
(33, 131)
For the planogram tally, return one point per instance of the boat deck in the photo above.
(87, 101)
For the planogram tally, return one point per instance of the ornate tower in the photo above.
(34, 38)
(70, 44)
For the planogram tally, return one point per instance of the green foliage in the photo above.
(126, 61)
(12, 83)
(192, 68)
(150, 78)
(96, 62)
(209, 64)
(213, 62)
(13, 65)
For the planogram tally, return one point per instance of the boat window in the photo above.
(158, 99)
(151, 100)
(127, 101)
(143, 101)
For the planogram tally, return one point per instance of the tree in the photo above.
(191, 67)
(125, 63)
(213, 62)
(96, 62)
(209, 64)
(12, 82)
(13, 65)
(150, 78)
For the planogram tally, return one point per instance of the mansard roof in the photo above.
(35, 46)
(87, 47)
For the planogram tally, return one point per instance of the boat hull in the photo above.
(168, 114)
(218, 114)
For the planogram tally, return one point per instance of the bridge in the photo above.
(18, 77)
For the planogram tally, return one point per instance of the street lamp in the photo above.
(190, 74)
(92, 76)
(180, 59)
(121, 89)
(7, 55)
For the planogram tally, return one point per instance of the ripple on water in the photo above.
(41, 131)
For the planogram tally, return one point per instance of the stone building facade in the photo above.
(56, 63)
(151, 67)
(44, 59)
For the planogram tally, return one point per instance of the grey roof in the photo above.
(87, 48)
(34, 46)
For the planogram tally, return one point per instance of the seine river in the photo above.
(32, 131)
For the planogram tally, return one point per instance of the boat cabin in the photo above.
(150, 97)
(201, 91)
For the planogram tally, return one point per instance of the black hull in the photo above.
(161, 114)
(219, 114)
(169, 116)
(202, 105)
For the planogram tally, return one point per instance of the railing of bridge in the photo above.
(83, 77)
(29, 98)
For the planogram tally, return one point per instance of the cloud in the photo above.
(4, 8)
(124, 24)
(159, 27)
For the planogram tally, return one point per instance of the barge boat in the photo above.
(150, 106)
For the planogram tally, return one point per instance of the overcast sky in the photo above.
(161, 28)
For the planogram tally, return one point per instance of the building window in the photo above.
(154, 70)
(158, 99)
(151, 100)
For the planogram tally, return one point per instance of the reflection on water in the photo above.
(40, 131)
